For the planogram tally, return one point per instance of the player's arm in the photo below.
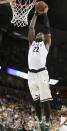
(47, 41)
(47, 34)
(31, 33)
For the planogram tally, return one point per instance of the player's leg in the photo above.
(45, 96)
(37, 106)
(46, 110)
(34, 91)
(46, 116)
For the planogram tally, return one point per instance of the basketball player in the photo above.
(38, 78)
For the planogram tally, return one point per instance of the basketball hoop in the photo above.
(20, 12)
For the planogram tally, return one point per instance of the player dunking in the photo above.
(38, 78)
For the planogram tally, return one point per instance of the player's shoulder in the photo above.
(32, 43)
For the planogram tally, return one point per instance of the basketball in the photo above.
(40, 6)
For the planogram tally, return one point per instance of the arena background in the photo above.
(14, 51)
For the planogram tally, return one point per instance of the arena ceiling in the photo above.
(14, 47)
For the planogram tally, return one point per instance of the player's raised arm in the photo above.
(47, 34)
(42, 9)
(31, 33)
(48, 41)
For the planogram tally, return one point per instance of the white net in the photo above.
(20, 13)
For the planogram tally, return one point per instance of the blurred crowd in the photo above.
(19, 115)
(14, 115)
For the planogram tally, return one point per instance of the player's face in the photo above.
(40, 36)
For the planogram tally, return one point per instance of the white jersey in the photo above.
(37, 55)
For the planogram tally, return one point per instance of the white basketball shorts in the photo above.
(39, 85)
